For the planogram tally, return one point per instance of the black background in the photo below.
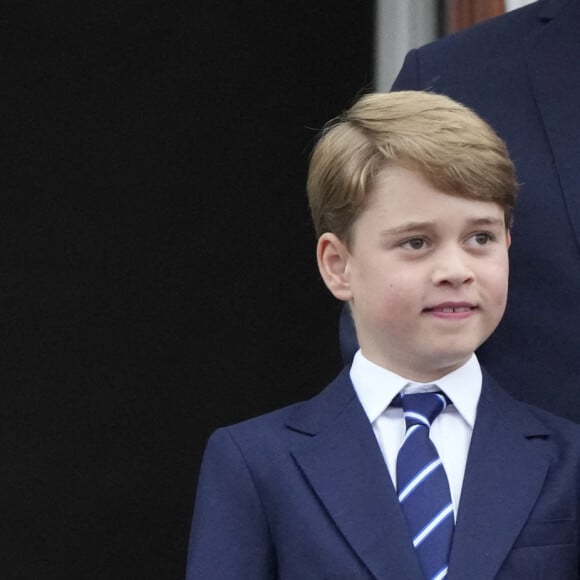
(157, 273)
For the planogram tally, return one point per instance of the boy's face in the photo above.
(426, 275)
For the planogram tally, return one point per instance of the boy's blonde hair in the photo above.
(454, 149)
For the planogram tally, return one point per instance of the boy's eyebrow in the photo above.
(488, 221)
(407, 228)
(410, 227)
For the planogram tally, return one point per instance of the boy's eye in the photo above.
(482, 238)
(414, 244)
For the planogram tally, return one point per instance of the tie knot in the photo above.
(423, 408)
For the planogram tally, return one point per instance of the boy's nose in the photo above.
(452, 268)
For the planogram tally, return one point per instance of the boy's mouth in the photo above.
(451, 307)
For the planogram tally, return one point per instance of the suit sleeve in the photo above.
(229, 538)
(408, 77)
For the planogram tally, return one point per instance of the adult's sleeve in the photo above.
(408, 77)
(229, 535)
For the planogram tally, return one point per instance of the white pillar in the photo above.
(400, 26)
(513, 4)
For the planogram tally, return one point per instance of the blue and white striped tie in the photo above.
(423, 487)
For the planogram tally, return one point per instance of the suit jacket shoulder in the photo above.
(302, 492)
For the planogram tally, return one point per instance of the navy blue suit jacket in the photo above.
(304, 494)
(521, 73)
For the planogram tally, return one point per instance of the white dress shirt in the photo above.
(450, 432)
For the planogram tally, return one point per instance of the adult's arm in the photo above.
(408, 77)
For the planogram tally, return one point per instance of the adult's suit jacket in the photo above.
(521, 72)
(304, 494)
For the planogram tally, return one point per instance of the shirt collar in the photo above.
(376, 387)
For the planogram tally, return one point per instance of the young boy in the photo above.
(411, 196)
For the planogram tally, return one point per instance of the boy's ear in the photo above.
(508, 239)
(333, 264)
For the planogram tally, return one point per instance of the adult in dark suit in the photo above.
(309, 486)
(521, 73)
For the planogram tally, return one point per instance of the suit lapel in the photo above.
(507, 464)
(553, 56)
(344, 466)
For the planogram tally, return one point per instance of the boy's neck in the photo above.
(416, 375)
